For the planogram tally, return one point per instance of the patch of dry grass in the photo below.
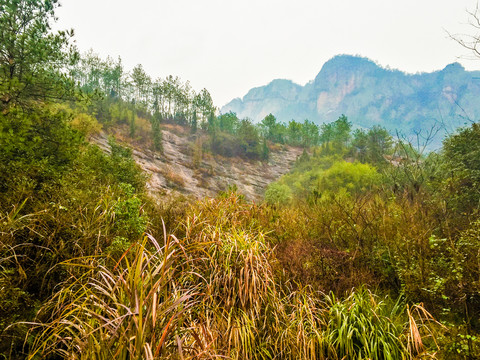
(173, 178)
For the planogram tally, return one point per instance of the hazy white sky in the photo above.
(230, 46)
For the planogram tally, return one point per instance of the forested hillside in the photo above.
(367, 249)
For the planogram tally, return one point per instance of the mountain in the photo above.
(368, 95)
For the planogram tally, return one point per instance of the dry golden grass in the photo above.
(173, 177)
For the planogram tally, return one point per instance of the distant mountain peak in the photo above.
(276, 88)
(454, 67)
(281, 82)
(343, 68)
(369, 94)
(348, 61)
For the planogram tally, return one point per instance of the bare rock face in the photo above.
(183, 167)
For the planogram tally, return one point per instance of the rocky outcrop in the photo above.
(183, 167)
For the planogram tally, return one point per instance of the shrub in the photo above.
(86, 124)
(278, 194)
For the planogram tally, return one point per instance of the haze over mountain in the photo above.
(369, 94)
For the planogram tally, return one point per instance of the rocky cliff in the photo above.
(184, 167)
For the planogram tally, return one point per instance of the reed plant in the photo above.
(364, 327)
(129, 312)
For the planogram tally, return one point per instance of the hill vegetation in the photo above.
(368, 249)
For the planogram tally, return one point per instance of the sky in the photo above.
(231, 46)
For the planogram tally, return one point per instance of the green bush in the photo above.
(278, 194)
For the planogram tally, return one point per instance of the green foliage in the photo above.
(122, 166)
(33, 59)
(372, 146)
(225, 144)
(321, 176)
(310, 134)
(156, 131)
(132, 123)
(294, 131)
(228, 122)
(129, 222)
(59, 198)
(245, 140)
(212, 124)
(94, 74)
(278, 194)
(304, 134)
(34, 149)
(268, 126)
(249, 140)
(462, 155)
(272, 130)
(86, 124)
(204, 104)
(142, 83)
(86, 212)
(336, 133)
(361, 327)
(353, 178)
(119, 112)
(265, 150)
(194, 122)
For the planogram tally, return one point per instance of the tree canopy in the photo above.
(34, 62)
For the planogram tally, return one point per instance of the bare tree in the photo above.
(470, 41)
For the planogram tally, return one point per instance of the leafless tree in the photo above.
(470, 41)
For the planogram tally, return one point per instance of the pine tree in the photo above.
(157, 132)
(34, 60)
(194, 122)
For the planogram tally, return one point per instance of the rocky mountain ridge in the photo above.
(368, 95)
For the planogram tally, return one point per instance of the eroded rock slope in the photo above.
(183, 167)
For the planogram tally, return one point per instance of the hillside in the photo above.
(138, 223)
(184, 168)
(368, 95)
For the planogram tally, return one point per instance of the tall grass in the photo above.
(216, 293)
(364, 327)
(128, 312)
